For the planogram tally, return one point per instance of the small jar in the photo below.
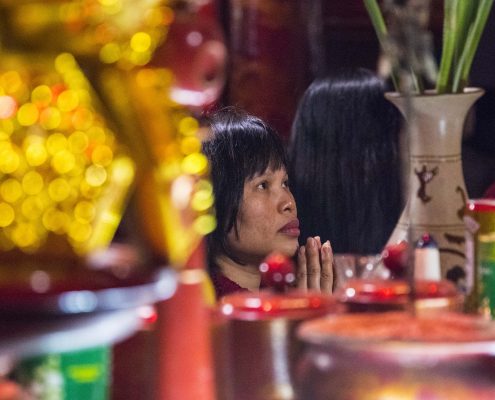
(396, 355)
(255, 349)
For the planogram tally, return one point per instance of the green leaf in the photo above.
(449, 45)
(471, 45)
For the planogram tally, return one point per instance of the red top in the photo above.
(224, 285)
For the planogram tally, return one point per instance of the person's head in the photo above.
(253, 203)
(345, 161)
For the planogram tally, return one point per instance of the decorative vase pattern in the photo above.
(436, 189)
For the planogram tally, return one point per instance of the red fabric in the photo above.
(490, 192)
(224, 285)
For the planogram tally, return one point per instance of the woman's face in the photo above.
(267, 219)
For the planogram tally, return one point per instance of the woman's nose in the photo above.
(287, 204)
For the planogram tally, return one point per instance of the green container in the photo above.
(479, 219)
(81, 375)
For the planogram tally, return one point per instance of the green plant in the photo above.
(463, 25)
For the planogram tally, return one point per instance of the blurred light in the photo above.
(194, 38)
(181, 191)
(63, 161)
(188, 126)
(95, 175)
(41, 95)
(205, 224)
(78, 142)
(24, 235)
(190, 144)
(82, 119)
(84, 211)
(32, 183)
(27, 114)
(36, 154)
(110, 53)
(68, 100)
(32, 207)
(11, 190)
(202, 200)
(196, 163)
(79, 231)
(50, 118)
(11, 81)
(78, 301)
(102, 155)
(9, 160)
(40, 281)
(7, 215)
(123, 171)
(59, 189)
(55, 220)
(56, 142)
(65, 62)
(8, 107)
(140, 42)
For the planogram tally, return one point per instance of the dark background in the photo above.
(324, 36)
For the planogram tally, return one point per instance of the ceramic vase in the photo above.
(436, 190)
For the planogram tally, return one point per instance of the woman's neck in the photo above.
(246, 276)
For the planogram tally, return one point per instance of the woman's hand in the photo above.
(314, 266)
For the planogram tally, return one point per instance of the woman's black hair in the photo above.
(345, 162)
(239, 147)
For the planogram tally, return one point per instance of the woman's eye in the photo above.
(285, 183)
(262, 185)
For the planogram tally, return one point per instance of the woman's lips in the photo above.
(291, 229)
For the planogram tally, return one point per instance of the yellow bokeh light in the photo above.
(82, 118)
(205, 224)
(32, 207)
(65, 62)
(68, 100)
(9, 159)
(78, 142)
(24, 235)
(7, 215)
(79, 232)
(55, 220)
(41, 95)
(190, 144)
(96, 134)
(32, 183)
(140, 42)
(110, 53)
(140, 58)
(50, 118)
(7, 126)
(202, 200)
(84, 211)
(56, 142)
(63, 162)
(59, 189)
(88, 191)
(36, 154)
(188, 126)
(96, 175)
(102, 155)
(195, 163)
(11, 81)
(27, 114)
(11, 190)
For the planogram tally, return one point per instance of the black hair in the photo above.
(345, 162)
(240, 146)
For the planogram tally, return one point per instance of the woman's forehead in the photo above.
(270, 170)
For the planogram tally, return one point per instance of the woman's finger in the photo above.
(302, 275)
(313, 266)
(326, 281)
